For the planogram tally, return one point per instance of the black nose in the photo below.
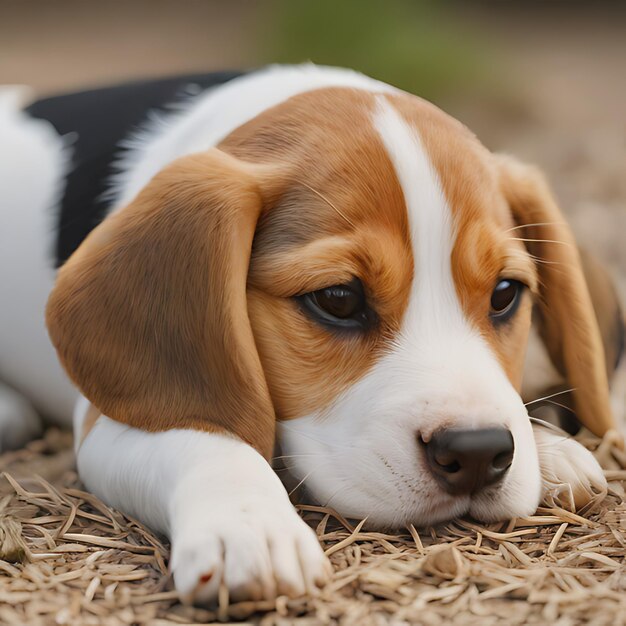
(464, 461)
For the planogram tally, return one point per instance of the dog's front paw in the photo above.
(256, 548)
(570, 474)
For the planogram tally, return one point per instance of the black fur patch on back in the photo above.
(101, 119)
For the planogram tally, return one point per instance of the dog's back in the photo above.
(56, 160)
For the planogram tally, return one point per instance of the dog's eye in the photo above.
(339, 301)
(343, 306)
(505, 299)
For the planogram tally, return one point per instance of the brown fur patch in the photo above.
(149, 315)
(341, 214)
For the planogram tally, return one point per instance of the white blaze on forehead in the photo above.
(434, 298)
(437, 345)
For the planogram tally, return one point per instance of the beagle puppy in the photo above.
(302, 254)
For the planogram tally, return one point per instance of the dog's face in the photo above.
(390, 298)
(359, 267)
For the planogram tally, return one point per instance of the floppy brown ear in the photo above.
(149, 316)
(567, 322)
(607, 307)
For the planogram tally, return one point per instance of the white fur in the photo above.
(362, 455)
(223, 507)
(33, 162)
(14, 97)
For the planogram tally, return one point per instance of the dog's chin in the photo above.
(436, 514)
(388, 514)
(502, 505)
(395, 518)
(392, 514)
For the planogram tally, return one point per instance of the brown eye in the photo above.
(505, 299)
(342, 306)
(339, 301)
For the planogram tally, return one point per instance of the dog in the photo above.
(301, 254)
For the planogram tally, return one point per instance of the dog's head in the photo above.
(357, 268)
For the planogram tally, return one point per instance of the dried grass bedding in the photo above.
(69, 559)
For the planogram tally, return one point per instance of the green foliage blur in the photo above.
(416, 45)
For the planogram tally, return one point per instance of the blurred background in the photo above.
(543, 80)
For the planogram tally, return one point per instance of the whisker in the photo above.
(294, 456)
(302, 481)
(537, 259)
(549, 426)
(286, 466)
(534, 224)
(562, 243)
(552, 395)
(567, 408)
(328, 202)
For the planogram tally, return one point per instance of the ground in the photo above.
(69, 559)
